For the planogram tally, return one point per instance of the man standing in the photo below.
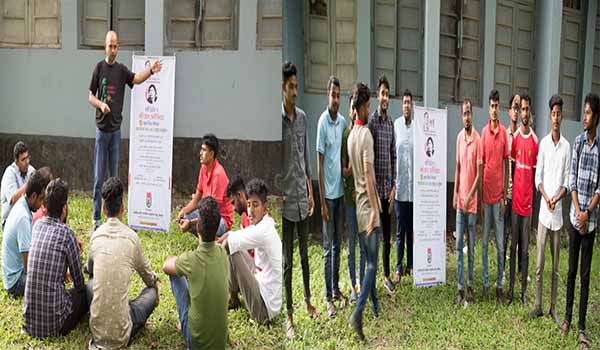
(14, 179)
(513, 114)
(403, 201)
(494, 184)
(382, 129)
(331, 191)
(585, 194)
(551, 179)
(524, 152)
(298, 200)
(107, 90)
(49, 309)
(464, 201)
(16, 236)
(362, 157)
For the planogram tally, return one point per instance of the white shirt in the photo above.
(265, 241)
(12, 180)
(552, 171)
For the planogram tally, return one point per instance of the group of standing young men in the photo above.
(364, 175)
(505, 166)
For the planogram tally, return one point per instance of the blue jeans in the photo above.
(352, 227)
(404, 233)
(194, 215)
(492, 214)
(368, 285)
(464, 221)
(181, 293)
(332, 233)
(106, 149)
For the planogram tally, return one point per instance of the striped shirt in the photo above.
(583, 178)
(382, 130)
(47, 304)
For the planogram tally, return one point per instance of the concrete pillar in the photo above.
(154, 26)
(431, 54)
(489, 52)
(364, 24)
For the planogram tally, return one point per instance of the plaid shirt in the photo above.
(385, 153)
(583, 177)
(47, 303)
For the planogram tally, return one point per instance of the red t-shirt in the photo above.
(40, 213)
(214, 184)
(524, 152)
(494, 147)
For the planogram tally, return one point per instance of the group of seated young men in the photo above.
(39, 260)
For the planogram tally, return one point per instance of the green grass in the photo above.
(412, 318)
(428, 319)
(160, 331)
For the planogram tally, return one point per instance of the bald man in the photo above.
(107, 89)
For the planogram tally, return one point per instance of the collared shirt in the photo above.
(296, 165)
(12, 180)
(206, 271)
(16, 239)
(495, 150)
(360, 150)
(214, 184)
(47, 303)
(509, 138)
(524, 152)
(552, 171)
(382, 130)
(265, 241)
(583, 178)
(468, 156)
(404, 135)
(329, 144)
(115, 253)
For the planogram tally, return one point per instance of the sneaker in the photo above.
(470, 297)
(389, 286)
(331, 310)
(460, 297)
(353, 296)
(356, 322)
(536, 312)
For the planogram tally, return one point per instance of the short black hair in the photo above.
(526, 97)
(288, 70)
(20, 148)
(38, 181)
(257, 187)
(235, 186)
(407, 93)
(494, 96)
(593, 101)
(512, 99)
(464, 102)
(555, 100)
(212, 142)
(57, 194)
(333, 81)
(112, 194)
(383, 81)
(209, 218)
(360, 95)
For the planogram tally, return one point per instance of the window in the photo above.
(596, 66)
(514, 69)
(202, 24)
(126, 17)
(570, 61)
(460, 51)
(30, 23)
(270, 24)
(331, 43)
(398, 45)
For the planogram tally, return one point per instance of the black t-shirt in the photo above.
(108, 85)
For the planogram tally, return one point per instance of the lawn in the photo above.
(412, 318)
(160, 331)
